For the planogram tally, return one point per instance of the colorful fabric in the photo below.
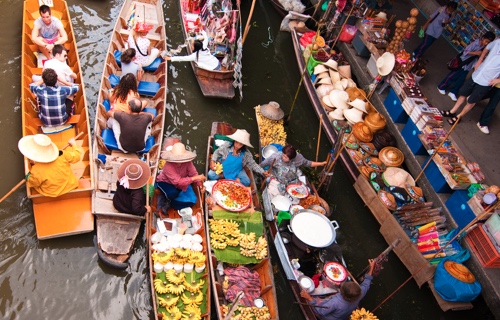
(248, 161)
(51, 31)
(55, 178)
(52, 102)
(241, 279)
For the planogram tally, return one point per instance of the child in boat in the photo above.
(200, 55)
(234, 158)
(177, 175)
(130, 64)
(138, 40)
(50, 173)
(340, 306)
(129, 197)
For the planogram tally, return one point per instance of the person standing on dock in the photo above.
(340, 306)
(434, 28)
(47, 31)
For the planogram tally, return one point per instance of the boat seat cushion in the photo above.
(151, 68)
(145, 88)
(107, 106)
(110, 141)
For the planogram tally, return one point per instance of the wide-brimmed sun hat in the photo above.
(339, 99)
(358, 104)
(394, 176)
(134, 174)
(353, 115)
(391, 156)
(178, 153)
(362, 132)
(38, 148)
(336, 114)
(142, 27)
(375, 121)
(320, 69)
(241, 136)
(385, 63)
(272, 110)
(331, 64)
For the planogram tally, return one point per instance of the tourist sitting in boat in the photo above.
(138, 40)
(177, 175)
(54, 101)
(65, 76)
(234, 158)
(132, 128)
(340, 306)
(130, 64)
(47, 31)
(123, 92)
(129, 197)
(285, 164)
(200, 55)
(50, 173)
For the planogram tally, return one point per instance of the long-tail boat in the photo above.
(70, 213)
(226, 264)
(117, 231)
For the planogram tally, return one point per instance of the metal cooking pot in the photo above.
(268, 151)
(313, 228)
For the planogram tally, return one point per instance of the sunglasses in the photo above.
(65, 56)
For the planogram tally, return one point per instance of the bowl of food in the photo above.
(296, 209)
(298, 191)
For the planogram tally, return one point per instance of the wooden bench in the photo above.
(151, 36)
(71, 120)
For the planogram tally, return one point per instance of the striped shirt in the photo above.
(52, 102)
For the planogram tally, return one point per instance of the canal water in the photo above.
(63, 279)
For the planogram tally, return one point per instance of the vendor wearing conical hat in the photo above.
(50, 173)
(177, 176)
(234, 158)
(129, 197)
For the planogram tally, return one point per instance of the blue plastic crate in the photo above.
(459, 209)
(436, 178)
(395, 108)
(410, 133)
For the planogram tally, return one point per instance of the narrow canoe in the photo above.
(215, 83)
(167, 222)
(263, 268)
(116, 231)
(70, 213)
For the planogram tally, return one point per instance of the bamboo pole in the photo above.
(439, 147)
(481, 216)
(247, 26)
(343, 25)
(319, 136)
(22, 182)
(332, 165)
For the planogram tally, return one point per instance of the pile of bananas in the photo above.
(271, 131)
(362, 314)
(192, 312)
(173, 313)
(179, 256)
(189, 298)
(218, 168)
(248, 313)
(168, 302)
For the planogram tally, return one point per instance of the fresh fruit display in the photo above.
(271, 131)
(362, 314)
(248, 313)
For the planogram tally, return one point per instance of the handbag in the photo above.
(421, 33)
(456, 63)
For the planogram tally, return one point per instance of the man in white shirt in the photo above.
(487, 70)
(48, 31)
(65, 76)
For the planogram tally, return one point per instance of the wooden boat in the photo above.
(286, 252)
(215, 83)
(165, 224)
(70, 213)
(116, 231)
(390, 228)
(283, 12)
(263, 267)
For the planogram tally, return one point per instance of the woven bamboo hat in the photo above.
(272, 111)
(375, 121)
(320, 69)
(385, 63)
(355, 93)
(331, 64)
(362, 132)
(178, 153)
(241, 136)
(359, 104)
(336, 114)
(388, 199)
(398, 177)
(391, 156)
(134, 174)
(353, 115)
(38, 148)
(459, 271)
(339, 98)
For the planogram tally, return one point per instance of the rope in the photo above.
(270, 39)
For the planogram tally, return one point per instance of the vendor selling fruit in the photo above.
(233, 159)
(285, 164)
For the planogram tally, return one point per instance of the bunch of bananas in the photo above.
(175, 278)
(362, 314)
(261, 248)
(248, 313)
(168, 302)
(173, 313)
(271, 131)
(192, 312)
(194, 286)
(192, 298)
(160, 286)
(218, 168)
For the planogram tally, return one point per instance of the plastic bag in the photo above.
(348, 33)
(452, 289)
(421, 33)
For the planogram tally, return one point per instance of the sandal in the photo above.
(447, 113)
(453, 120)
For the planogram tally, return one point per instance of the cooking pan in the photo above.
(313, 228)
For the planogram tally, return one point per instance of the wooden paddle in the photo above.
(319, 138)
(20, 183)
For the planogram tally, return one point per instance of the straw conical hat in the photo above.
(336, 114)
(358, 104)
(178, 153)
(385, 63)
(324, 81)
(331, 64)
(394, 176)
(322, 75)
(272, 111)
(326, 100)
(345, 71)
(38, 148)
(339, 99)
(241, 136)
(335, 76)
(320, 69)
(353, 115)
(324, 90)
(351, 83)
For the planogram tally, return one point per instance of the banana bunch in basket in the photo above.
(362, 314)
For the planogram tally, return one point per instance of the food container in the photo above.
(489, 198)
(158, 267)
(313, 228)
(268, 151)
(200, 269)
(188, 267)
(306, 283)
(317, 208)
(168, 266)
(335, 273)
(258, 302)
(178, 268)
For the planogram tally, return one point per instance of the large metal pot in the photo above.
(313, 228)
